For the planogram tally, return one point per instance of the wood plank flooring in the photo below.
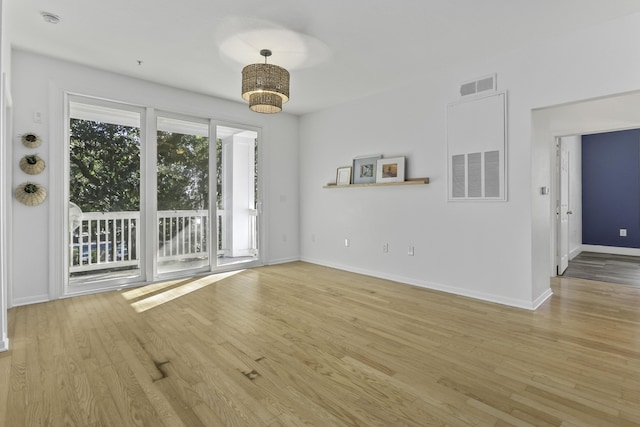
(304, 345)
(610, 268)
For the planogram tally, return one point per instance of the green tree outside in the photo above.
(105, 168)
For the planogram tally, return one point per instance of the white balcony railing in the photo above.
(110, 240)
(104, 240)
(182, 234)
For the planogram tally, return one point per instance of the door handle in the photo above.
(569, 212)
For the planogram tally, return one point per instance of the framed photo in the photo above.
(364, 169)
(390, 170)
(343, 177)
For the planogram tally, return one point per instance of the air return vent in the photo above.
(484, 84)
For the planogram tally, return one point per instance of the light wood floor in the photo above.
(299, 344)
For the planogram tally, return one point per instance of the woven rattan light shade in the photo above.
(265, 102)
(265, 86)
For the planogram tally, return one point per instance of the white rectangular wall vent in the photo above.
(476, 147)
(484, 84)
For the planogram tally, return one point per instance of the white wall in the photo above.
(495, 251)
(38, 85)
(459, 247)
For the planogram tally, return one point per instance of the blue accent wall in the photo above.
(611, 188)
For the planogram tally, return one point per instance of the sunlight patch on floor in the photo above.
(149, 289)
(174, 293)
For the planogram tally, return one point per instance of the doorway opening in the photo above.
(595, 116)
(604, 188)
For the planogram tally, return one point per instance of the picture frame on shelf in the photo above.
(343, 175)
(390, 169)
(364, 169)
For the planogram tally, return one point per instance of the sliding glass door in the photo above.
(104, 194)
(158, 202)
(195, 175)
(184, 234)
(238, 202)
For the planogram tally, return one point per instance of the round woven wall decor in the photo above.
(32, 164)
(31, 140)
(30, 194)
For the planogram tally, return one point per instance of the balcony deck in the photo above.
(104, 245)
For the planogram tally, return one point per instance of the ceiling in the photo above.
(336, 50)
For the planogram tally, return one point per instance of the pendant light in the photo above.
(265, 86)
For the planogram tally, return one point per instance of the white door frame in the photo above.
(563, 209)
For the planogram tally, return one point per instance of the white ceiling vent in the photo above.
(484, 84)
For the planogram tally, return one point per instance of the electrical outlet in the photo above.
(347, 242)
(411, 251)
(623, 232)
(385, 247)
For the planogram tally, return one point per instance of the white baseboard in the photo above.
(282, 260)
(527, 305)
(29, 300)
(575, 252)
(542, 298)
(611, 250)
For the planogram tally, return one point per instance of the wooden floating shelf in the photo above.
(412, 181)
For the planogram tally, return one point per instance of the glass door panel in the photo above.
(237, 195)
(183, 195)
(104, 195)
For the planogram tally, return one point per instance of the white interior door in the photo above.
(563, 209)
